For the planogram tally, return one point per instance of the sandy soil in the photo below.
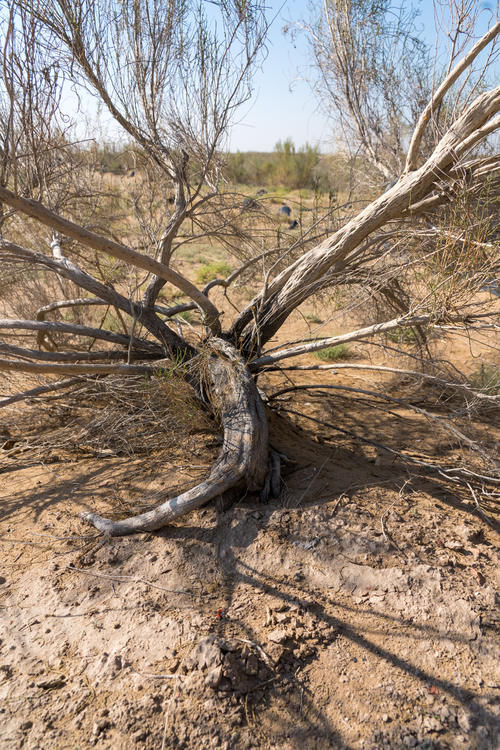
(360, 610)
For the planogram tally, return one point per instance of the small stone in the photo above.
(205, 655)
(464, 721)
(252, 665)
(409, 741)
(277, 636)
(283, 617)
(52, 684)
(386, 718)
(214, 677)
(432, 724)
(228, 644)
(100, 727)
(454, 544)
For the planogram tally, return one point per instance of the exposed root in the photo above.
(244, 456)
(273, 478)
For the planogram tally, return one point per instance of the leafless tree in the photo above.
(376, 72)
(374, 76)
(172, 83)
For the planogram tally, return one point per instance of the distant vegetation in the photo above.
(332, 353)
(286, 166)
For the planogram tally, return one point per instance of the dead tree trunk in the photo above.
(224, 363)
(244, 458)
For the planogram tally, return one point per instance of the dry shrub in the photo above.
(113, 416)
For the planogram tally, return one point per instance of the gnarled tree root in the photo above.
(244, 458)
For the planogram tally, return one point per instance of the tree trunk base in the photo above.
(244, 461)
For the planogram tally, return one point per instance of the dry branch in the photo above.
(391, 370)
(65, 268)
(97, 242)
(313, 271)
(40, 391)
(316, 346)
(72, 328)
(439, 94)
(11, 365)
(111, 354)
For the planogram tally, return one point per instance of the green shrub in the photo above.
(332, 353)
(313, 318)
(217, 270)
(402, 336)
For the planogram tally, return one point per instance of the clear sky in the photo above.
(283, 104)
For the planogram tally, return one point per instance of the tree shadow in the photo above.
(288, 701)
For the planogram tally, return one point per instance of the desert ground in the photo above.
(358, 610)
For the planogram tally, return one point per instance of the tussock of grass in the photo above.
(313, 318)
(333, 353)
(217, 270)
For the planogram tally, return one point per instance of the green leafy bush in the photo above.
(217, 270)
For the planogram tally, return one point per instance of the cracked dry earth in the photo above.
(360, 610)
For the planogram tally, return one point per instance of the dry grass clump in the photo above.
(113, 416)
(134, 416)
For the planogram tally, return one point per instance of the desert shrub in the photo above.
(332, 353)
(210, 271)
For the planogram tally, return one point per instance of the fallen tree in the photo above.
(179, 143)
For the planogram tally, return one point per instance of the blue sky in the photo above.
(283, 104)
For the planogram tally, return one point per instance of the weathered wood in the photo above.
(18, 365)
(317, 268)
(243, 460)
(69, 270)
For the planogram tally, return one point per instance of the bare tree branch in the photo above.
(82, 356)
(97, 242)
(67, 269)
(391, 370)
(439, 94)
(10, 365)
(40, 391)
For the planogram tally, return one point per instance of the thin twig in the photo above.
(314, 478)
(479, 509)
